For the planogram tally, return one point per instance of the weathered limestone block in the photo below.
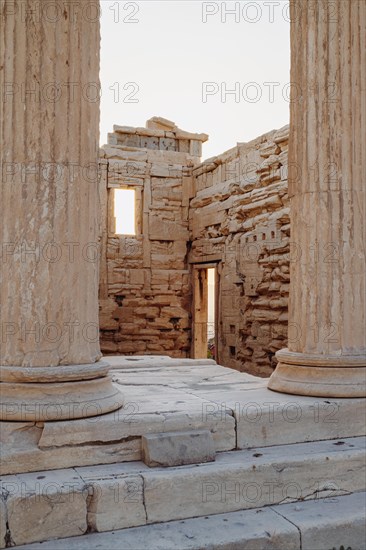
(46, 507)
(116, 502)
(123, 154)
(329, 523)
(281, 136)
(124, 129)
(182, 134)
(165, 170)
(131, 347)
(150, 142)
(129, 140)
(196, 148)
(167, 144)
(111, 140)
(252, 479)
(178, 448)
(131, 168)
(173, 312)
(183, 146)
(269, 149)
(160, 123)
(160, 277)
(137, 277)
(147, 312)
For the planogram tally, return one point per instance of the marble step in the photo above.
(315, 524)
(62, 503)
(237, 408)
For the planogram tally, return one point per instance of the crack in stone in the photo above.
(90, 493)
(8, 540)
(94, 443)
(294, 524)
(143, 497)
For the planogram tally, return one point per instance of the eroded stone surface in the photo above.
(116, 503)
(3, 520)
(232, 209)
(236, 481)
(326, 353)
(335, 522)
(144, 278)
(45, 506)
(325, 521)
(178, 448)
(248, 479)
(49, 224)
(249, 530)
(49, 295)
(149, 361)
(235, 407)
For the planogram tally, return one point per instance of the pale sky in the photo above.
(159, 58)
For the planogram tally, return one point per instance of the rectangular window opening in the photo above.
(125, 211)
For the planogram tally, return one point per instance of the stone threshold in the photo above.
(164, 395)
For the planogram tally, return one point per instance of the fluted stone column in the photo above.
(326, 355)
(49, 213)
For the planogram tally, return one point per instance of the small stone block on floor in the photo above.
(178, 448)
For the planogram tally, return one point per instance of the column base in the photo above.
(42, 394)
(319, 375)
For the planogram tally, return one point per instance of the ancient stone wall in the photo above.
(144, 280)
(239, 220)
(230, 211)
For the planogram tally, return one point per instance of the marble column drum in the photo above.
(326, 353)
(49, 124)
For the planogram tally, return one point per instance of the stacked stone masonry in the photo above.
(145, 286)
(230, 211)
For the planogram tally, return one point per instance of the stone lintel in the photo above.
(176, 133)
